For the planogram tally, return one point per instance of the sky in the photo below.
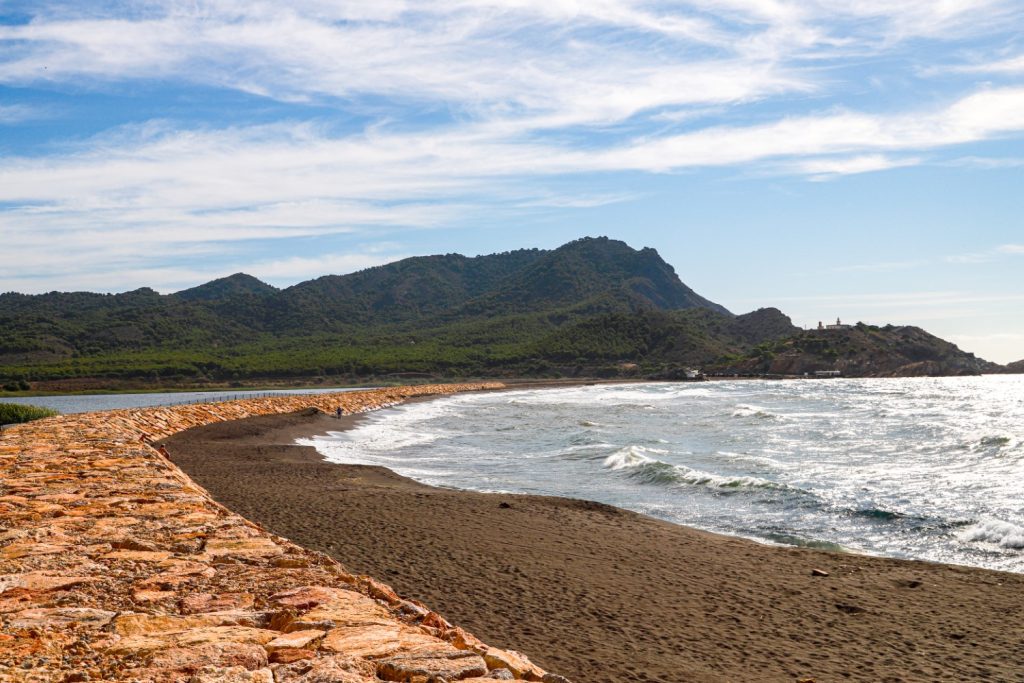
(861, 159)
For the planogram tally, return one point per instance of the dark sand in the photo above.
(600, 594)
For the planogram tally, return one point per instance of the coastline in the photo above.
(598, 593)
(114, 565)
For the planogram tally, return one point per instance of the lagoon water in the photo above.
(916, 468)
(86, 403)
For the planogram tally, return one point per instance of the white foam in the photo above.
(744, 410)
(642, 394)
(630, 456)
(587, 447)
(995, 531)
(694, 477)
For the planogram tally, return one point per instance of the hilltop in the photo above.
(592, 307)
(861, 351)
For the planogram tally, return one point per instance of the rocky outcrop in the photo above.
(860, 351)
(1015, 368)
(115, 566)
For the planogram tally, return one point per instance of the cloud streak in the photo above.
(460, 108)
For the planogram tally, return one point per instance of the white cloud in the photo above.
(529, 61)
(473, 106)
(986, 163)
(987, 255)
(1008, 66)
(549, 62)
(17, 113)
(146, 190)
(829, 168)
(125, 269)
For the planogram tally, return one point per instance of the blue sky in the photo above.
(854, 158)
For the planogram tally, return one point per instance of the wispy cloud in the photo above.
(986, 163)
(831, 168)
(151, 187)
(18, 113)
(464, 108)
(987, 255)
(1008, 66)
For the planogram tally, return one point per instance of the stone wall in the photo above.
(115, 566)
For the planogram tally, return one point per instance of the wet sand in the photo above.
(601, 594)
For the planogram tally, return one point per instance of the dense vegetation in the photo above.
(16, 413)
(594, 307)
(861, 351)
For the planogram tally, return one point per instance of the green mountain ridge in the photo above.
(239, 284)
(592, 307)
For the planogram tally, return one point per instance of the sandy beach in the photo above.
(600, 594)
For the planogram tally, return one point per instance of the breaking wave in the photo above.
(923, 468)
(996, 532)
(647, 470)
(743, 410)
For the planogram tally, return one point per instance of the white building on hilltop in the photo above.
(838, 326)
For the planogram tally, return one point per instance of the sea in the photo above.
(925, 468)
(87, 403)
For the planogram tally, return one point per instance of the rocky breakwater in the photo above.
(115, 566)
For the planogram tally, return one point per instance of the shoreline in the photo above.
(599, 593)
(114, 565)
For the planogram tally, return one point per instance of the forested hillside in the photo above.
(593, 307)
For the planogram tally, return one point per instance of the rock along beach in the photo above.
(115, 566)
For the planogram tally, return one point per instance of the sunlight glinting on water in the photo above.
(923, 468)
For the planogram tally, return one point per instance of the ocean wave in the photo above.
(997, 443)
(647, 470)
(743, 410)
(762, 461)
(879, 514)
(630, 456)
(584, 451)
(800, 542)
(610, 395)
(996, 532)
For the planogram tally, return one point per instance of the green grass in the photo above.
(15, 413)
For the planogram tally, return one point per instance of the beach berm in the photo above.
(115, 566)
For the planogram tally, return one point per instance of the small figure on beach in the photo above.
(337, 413)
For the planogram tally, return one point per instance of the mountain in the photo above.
(453, 306)
(860, 351)
(595, 274)
(592, 307)
(1017, 367)
(235, 285)
(407, 290)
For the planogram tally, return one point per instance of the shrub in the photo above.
(15, 413)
